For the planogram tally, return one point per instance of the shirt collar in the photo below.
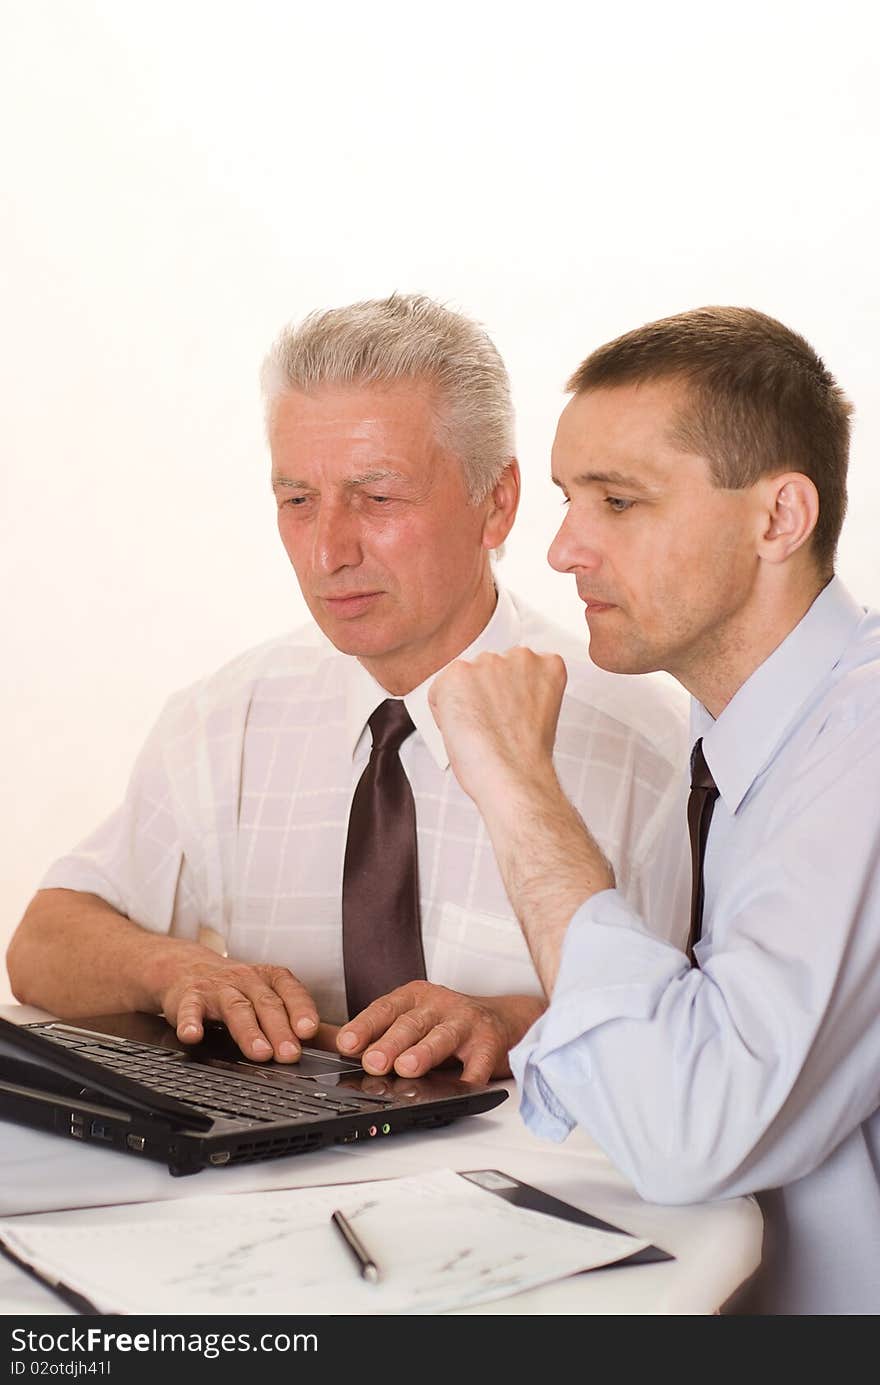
(363, 693)
(746, 735)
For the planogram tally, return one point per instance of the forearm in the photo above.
(548, 860)
(73, 955)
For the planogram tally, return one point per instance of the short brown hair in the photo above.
(761, 401)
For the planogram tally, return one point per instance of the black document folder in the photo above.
(525, 1195)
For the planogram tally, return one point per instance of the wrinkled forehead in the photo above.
(361, 437)
(398, 421)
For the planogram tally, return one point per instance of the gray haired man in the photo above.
(247, 818)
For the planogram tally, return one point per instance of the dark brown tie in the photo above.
(701, 804)
(381, 926)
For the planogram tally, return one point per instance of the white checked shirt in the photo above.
(235, 817)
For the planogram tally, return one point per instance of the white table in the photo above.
(716, 1245)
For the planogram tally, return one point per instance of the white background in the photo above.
(181, 178)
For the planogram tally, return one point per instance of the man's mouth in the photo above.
(594, 606)
(350, 603)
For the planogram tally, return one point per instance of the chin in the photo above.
(355, 642)
(621, 660)
(356, 638)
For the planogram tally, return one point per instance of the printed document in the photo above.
(439, 1242)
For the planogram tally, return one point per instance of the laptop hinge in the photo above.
(17, 1040)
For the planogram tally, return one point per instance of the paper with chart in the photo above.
(440, 1242)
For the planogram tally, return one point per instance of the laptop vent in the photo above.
(273, 1146)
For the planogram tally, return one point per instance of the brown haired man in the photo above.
(703, 459)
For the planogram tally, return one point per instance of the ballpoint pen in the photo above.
(367, 1265)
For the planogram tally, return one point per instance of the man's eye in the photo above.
(295, 501)
(380, 499)
(618, 504)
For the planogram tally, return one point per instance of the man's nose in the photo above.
(572, 547)
(336, 539)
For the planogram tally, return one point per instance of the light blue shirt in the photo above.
(759, 1072)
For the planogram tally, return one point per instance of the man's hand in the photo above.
(419, 1026)
(266, 1009)
(498, 716)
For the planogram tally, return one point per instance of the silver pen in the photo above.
(367, 1265)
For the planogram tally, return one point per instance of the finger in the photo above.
(404, 1033)
(254, 1003)
(302, 1011)
(190, 1017)
(442, 1041)
(378, 1017)
(485, 1060)
(274, 1022)
(271, 1022)
(240, 1017)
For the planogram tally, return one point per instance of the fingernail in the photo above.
(348, 1040)
(408, 1063)
(375, 1059)
(288, 1050)
(305, 1026)
(190, 1031)
(261, 1046)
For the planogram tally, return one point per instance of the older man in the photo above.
(299, 803)
(704, 457)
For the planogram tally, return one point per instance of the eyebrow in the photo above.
(618, 479)
(366, 478)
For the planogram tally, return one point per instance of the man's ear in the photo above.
(790, 512)
(504, 501)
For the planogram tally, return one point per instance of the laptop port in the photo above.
(221, 1157)
(350, 1138)
(136, 1142)
(100, 1132)
(76, 1125)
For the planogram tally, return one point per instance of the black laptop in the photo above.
(126, 1082)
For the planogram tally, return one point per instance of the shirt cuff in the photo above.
(601, 978)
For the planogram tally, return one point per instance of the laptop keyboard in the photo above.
(208, 1089)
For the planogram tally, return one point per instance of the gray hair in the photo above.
(407, 337)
